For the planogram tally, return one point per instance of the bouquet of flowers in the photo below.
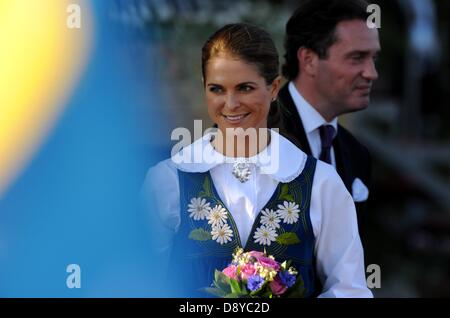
(256, 275)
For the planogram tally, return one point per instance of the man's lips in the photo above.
(364, 89)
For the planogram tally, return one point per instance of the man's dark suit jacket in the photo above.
(352, 158)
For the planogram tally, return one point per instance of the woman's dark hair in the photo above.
(247, 42)
(250, 44)
(313, 26)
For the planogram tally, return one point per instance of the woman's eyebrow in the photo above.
(240, 84)
(246, 83)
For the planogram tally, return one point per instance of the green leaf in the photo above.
(298, 290)
(288, 264)
(238, 271)
(235, 286)
(218, 275)
(215, 291)
(199, 235)
(284, 190)
(288, 197)
(267, 293)
(244, 287)
(207, 187)
(261, 291)
(235, 295)
(222, 281)
(284, 195)
(288, 238)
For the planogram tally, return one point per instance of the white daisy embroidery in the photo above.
(288, 212)
(222, 233)
(270, 218)
(198, 209)
(265, 235)
(217, 216)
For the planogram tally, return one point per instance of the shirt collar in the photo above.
(281, 159)
(309, 116)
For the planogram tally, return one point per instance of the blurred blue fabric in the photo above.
(77, 200)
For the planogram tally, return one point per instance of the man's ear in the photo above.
(307, 61)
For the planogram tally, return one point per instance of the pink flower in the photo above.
(230, 271)
(247, 270)
(277, 287)
(269, 263)
(257, 255)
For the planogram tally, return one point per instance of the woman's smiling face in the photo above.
(236, 94)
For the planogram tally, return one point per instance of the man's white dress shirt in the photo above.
(312, 120)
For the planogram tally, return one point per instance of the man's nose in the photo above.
(370, 71)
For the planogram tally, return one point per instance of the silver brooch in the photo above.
(241, 170)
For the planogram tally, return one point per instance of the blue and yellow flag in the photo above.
(70, 166)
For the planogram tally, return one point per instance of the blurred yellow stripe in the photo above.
(40, 61)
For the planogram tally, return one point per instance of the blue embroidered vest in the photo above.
(196, 255)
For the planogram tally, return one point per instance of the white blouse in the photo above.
(338, 250)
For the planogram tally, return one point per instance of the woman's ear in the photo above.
(276, 86)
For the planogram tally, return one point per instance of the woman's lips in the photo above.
(235, 119)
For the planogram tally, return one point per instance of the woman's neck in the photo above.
(240, 143)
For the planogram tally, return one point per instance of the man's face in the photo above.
(344, 79)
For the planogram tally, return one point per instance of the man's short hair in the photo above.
(313, 26)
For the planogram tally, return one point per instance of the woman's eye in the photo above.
(215, 89)
(246, 88)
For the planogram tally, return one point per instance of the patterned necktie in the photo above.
(326, 138)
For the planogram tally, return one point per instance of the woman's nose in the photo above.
(232, 101)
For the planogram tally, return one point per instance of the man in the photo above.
(330, 65)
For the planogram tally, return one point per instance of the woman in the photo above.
(249, 191)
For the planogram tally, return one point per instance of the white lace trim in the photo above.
(284, 174)
(297, 173)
